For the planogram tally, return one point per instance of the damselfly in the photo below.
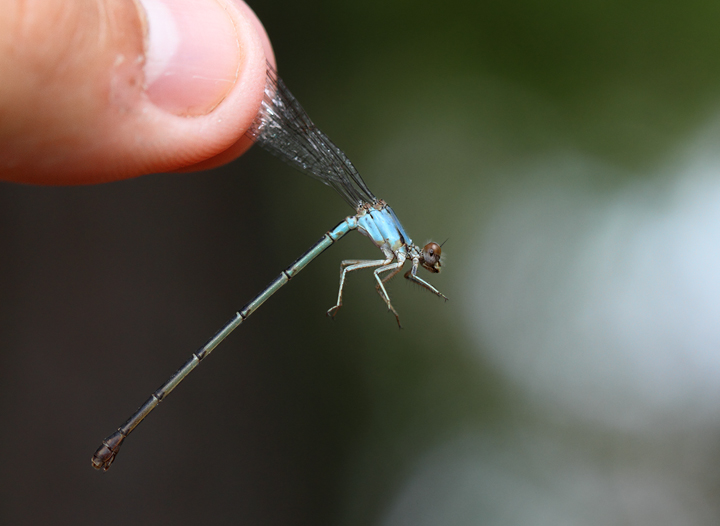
(284, 129)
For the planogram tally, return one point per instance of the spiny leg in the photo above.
(348, 266)
(385, 280)
(380, 287)
(389, 277)
(412, 276)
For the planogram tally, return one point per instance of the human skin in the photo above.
(102, 90)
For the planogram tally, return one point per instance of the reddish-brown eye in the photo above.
(431, 253)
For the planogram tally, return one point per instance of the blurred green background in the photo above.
(568, 152)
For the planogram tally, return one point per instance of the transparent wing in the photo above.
(284, 129)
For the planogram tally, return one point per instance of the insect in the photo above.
(284, 129)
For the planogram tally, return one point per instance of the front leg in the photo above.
(412, 276)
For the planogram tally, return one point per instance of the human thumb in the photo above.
(100, 90)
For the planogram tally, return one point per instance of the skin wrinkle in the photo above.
(67, 51)
(68, 36)
(126, 76)
(104, 23)
(144, 27)
(136, 82)
(61, 56)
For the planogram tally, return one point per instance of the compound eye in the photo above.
(431, 253)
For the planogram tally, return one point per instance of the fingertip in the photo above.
(205, 141)
(103, 110)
